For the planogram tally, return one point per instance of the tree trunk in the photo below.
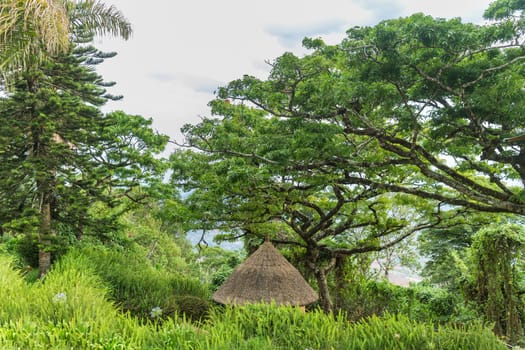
(44, 262)
(324, 292)
(320, 271)
(44, 237)
(45, 182)
(80, 232)
(340, 281)
(320, 268)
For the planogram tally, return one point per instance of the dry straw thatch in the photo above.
(266, 276)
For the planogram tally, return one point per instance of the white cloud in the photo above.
(181, 51)
(291, 35)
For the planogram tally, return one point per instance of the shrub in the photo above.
(419, 302)
(194, 308)
(135, 285)
(26, 248)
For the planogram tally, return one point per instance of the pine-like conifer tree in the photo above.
(65, 167)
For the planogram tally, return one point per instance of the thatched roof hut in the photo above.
(266, 276)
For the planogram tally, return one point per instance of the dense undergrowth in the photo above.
(74, 308)
(138, 287)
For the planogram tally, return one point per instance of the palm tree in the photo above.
(32, 29)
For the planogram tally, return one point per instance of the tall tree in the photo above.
(63, 161)
(31, 34)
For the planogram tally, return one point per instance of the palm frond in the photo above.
(100, 19)
(33, 29)
(28, 29)
(45, 22)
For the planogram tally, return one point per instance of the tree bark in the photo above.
(340, 281)
(324, 292)
(44, 237)
(44, 262)
(320, 271)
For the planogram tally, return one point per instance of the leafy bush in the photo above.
(25, 247)
(135, 284)
(192, 307)
(419, 302)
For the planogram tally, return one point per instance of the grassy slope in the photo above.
(70, 310)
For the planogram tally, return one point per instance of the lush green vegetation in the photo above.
(71, 308)
(402, 129)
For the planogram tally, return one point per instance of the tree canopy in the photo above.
(430, 102)
(403, 126)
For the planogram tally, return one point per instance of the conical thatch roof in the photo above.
(266, 276)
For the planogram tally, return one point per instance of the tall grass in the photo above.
(69, 309)
(14, 293)
(289, 328)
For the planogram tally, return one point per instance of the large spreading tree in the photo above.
(434, 103)
(402, 126)
(252, 175)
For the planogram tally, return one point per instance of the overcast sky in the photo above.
(181, 51)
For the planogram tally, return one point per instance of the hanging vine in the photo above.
(497, 252)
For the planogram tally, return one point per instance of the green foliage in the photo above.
(497, 256)
(148, 237)
(419, 302)
(135, 284)
(401, 127)
(253, 174)
(68, 170)
(26, 249)
(194, 308)
(501, 9)
(288, 328)
(32, 31)
(446, 250)
(409, 117)
(71, 292)
(215, 265)
(68, 309)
